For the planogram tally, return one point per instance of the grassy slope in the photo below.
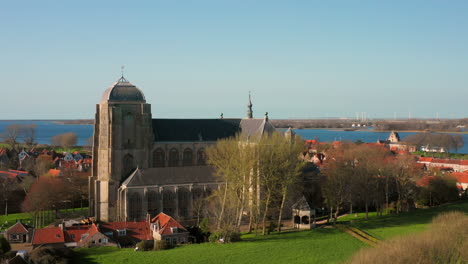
(388, 226)
(315, 246)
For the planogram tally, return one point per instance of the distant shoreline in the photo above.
(56, 121)
(369, 130)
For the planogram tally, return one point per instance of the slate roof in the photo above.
(302, 204)
(191, 130)
(122, 90)
(170, 175)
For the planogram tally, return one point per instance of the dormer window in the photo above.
(122, 232)
(57, 235)
(72, 236)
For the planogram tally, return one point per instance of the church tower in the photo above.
(123, 138)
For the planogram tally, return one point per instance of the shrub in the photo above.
(4, 246)
(443, 242)
(226, 236)
(161, 245)
(50, 255)
(145, 245)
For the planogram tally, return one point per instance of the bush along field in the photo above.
(320, 245)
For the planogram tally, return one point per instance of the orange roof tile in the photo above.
(48, 236)
(460, 176)
(425, 159)
(17, 228)
(166, 223)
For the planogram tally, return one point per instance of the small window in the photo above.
(72, 235)
(122, 232)
(57, 235)
(104, 240)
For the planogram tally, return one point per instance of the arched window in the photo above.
(187, 159)
(201, 157)
(153, 203)
(297, 219)
(173, 158)
(305, 220)
(135, 206)
(128, 165)
(159, 158)
(169, 203)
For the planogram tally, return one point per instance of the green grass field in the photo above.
(314, 246)
(388, 226)
(322, 245)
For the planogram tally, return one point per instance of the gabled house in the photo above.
(18, 233)
(167, 228)
(87, 236)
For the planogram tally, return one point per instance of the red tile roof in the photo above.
(166, 223)
(461, 177)
(425, 159)
(75, 233)
(135, 231)
(17, 228)
(54, 172)
(424, 181)
(48, 236)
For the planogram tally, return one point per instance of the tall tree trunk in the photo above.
(283, 199)
(336, 215)
(267, 204)
(367, 207)
(6, 207)
(222, 207)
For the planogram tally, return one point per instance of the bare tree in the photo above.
(65, 140)
(12, 135)
(29, 135)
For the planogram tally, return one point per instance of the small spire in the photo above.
(249, 108)
(266, 116)
(122, 78)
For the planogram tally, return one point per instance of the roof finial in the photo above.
(266, 116)
(222, 116)
(249, 108)
(122, 78)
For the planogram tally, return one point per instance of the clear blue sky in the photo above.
(199, 58)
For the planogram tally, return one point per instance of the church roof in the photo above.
(170, 175)
(122, 91)
(208, 129)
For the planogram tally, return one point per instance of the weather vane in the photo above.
(122, 70)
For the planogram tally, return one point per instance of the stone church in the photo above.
(145, 166)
